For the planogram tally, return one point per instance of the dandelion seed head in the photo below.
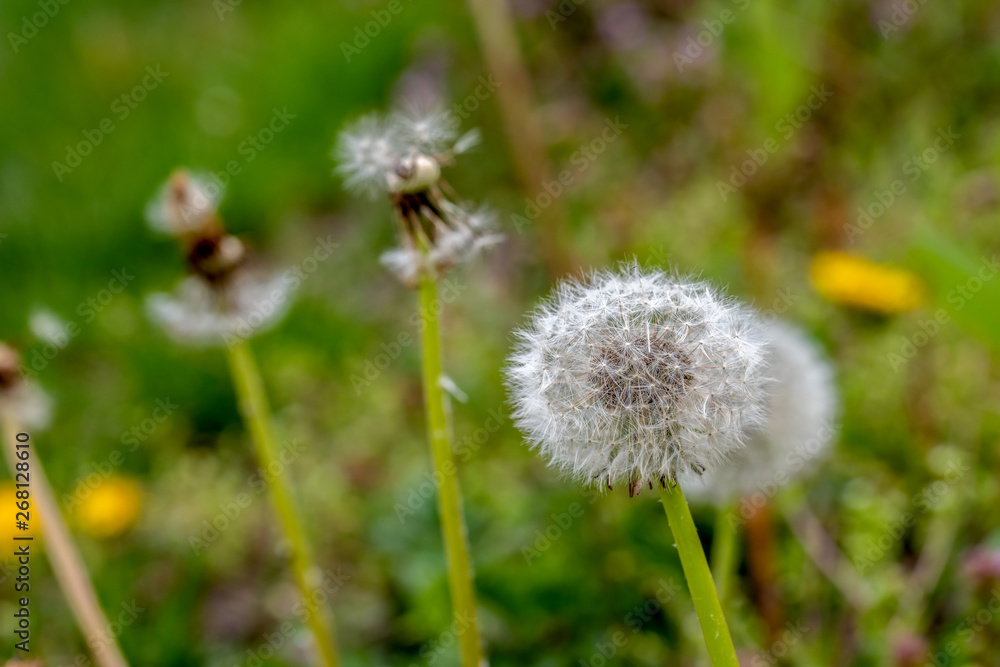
(429, 133)
(20, 396)
(633, 376)
(401, 157)
(185, 204)
(366, 153)
(802, 408)
(405, 263)
(202, 314)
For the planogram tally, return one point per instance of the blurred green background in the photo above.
(702, 87)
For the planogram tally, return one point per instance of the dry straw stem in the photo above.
(502, 53)
(257, 415)
(460, 573)
(68, 566)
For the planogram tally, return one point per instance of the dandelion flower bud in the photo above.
(638, 376)
(402, 157)
(802, 406)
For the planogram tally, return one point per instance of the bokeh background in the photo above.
(753, 140)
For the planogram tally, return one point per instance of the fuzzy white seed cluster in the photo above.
(401, 156)
(637, 377)
(226, 297)
(802, 410)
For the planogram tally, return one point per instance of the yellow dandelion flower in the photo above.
(855, 281)
(9, 519)
(110, 509)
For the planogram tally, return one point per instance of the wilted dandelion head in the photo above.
(802, 407)
(226, 297)
(20, 397)
(401, 156)
(637, 376)
(185, 204)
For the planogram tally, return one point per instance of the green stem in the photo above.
(723, 552)
(460, 576)
(257, 415)
(699, 578)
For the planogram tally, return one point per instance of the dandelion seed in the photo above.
(185, 204)
(637, 377)
(802, 407)
(401, 157)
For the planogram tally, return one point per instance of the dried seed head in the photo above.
(20, 396)
(802, 408)
(635, 376)
(202, 314)
(186, 204)
(226, 298)
(402, 157)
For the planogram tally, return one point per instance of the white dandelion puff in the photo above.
(429, 133)
(405, 263)
(367, 153)
(802, 409)
(201, 314)
(638, 377)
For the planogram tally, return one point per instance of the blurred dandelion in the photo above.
(857, 282)
(111, 509)
(802, 406)
(226, 300)
(640, 377)
(401, 156)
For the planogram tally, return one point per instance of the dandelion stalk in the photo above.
(460, 576)
(67, 565)
(257, 415)
(723, 553)
(699, 577)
